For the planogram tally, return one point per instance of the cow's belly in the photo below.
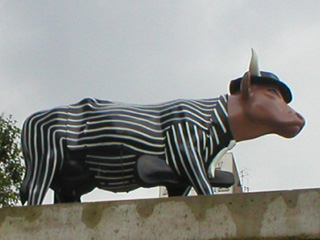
(113, 172)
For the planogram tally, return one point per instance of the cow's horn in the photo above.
(254, 66)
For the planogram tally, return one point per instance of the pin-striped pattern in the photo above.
(185, 133)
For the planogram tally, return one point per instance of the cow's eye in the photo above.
(274, 91)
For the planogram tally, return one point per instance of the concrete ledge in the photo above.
(268, 215)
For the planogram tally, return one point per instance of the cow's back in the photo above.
(94, 123)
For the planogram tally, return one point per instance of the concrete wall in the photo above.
(270, 215)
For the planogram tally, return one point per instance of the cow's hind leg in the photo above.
(65, 196)
(66, 191)
(73, 180)
(25, 185)
(41, 180)
(50, 156)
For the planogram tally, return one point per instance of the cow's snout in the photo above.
(295, 126)
(301, 119)
(290, 123)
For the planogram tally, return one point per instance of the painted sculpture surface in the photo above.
(120, 147)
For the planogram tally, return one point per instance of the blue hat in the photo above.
(265, 78)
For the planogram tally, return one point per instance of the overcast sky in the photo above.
(58, 52)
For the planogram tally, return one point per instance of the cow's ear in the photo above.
(245, 87)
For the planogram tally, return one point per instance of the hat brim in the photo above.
(284, 89)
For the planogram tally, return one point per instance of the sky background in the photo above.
(57, 52)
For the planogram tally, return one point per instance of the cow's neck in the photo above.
(241, 126)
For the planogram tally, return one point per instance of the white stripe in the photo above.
(177, 146)
(111, 171)
(197, 139)
(203, 104)
(92, 145)
(211, 145)
(216, 137)
(95, 138)
(111, 157)
(199, 163)
(200, 123)
(113, 178)
(219, 120)
(172, 154)
(184, 111)
(186, 149)
(122, 183)
(224, 98)
(223, 108)
(116, 129)
(120, 164)
(206, 155)
(87, 119)
(132, 123)
(204, 138)
(62, 154)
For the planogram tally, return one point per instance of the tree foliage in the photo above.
(11, 168)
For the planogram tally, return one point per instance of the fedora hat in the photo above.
(265, 78)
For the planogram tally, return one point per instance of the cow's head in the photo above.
(258, 105)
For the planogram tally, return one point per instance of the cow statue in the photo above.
(119, 147)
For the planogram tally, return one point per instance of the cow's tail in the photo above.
(24, 193)
(24, 189)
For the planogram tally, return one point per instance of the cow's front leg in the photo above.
(175, 191)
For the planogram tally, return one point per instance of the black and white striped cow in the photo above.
(120, 147)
